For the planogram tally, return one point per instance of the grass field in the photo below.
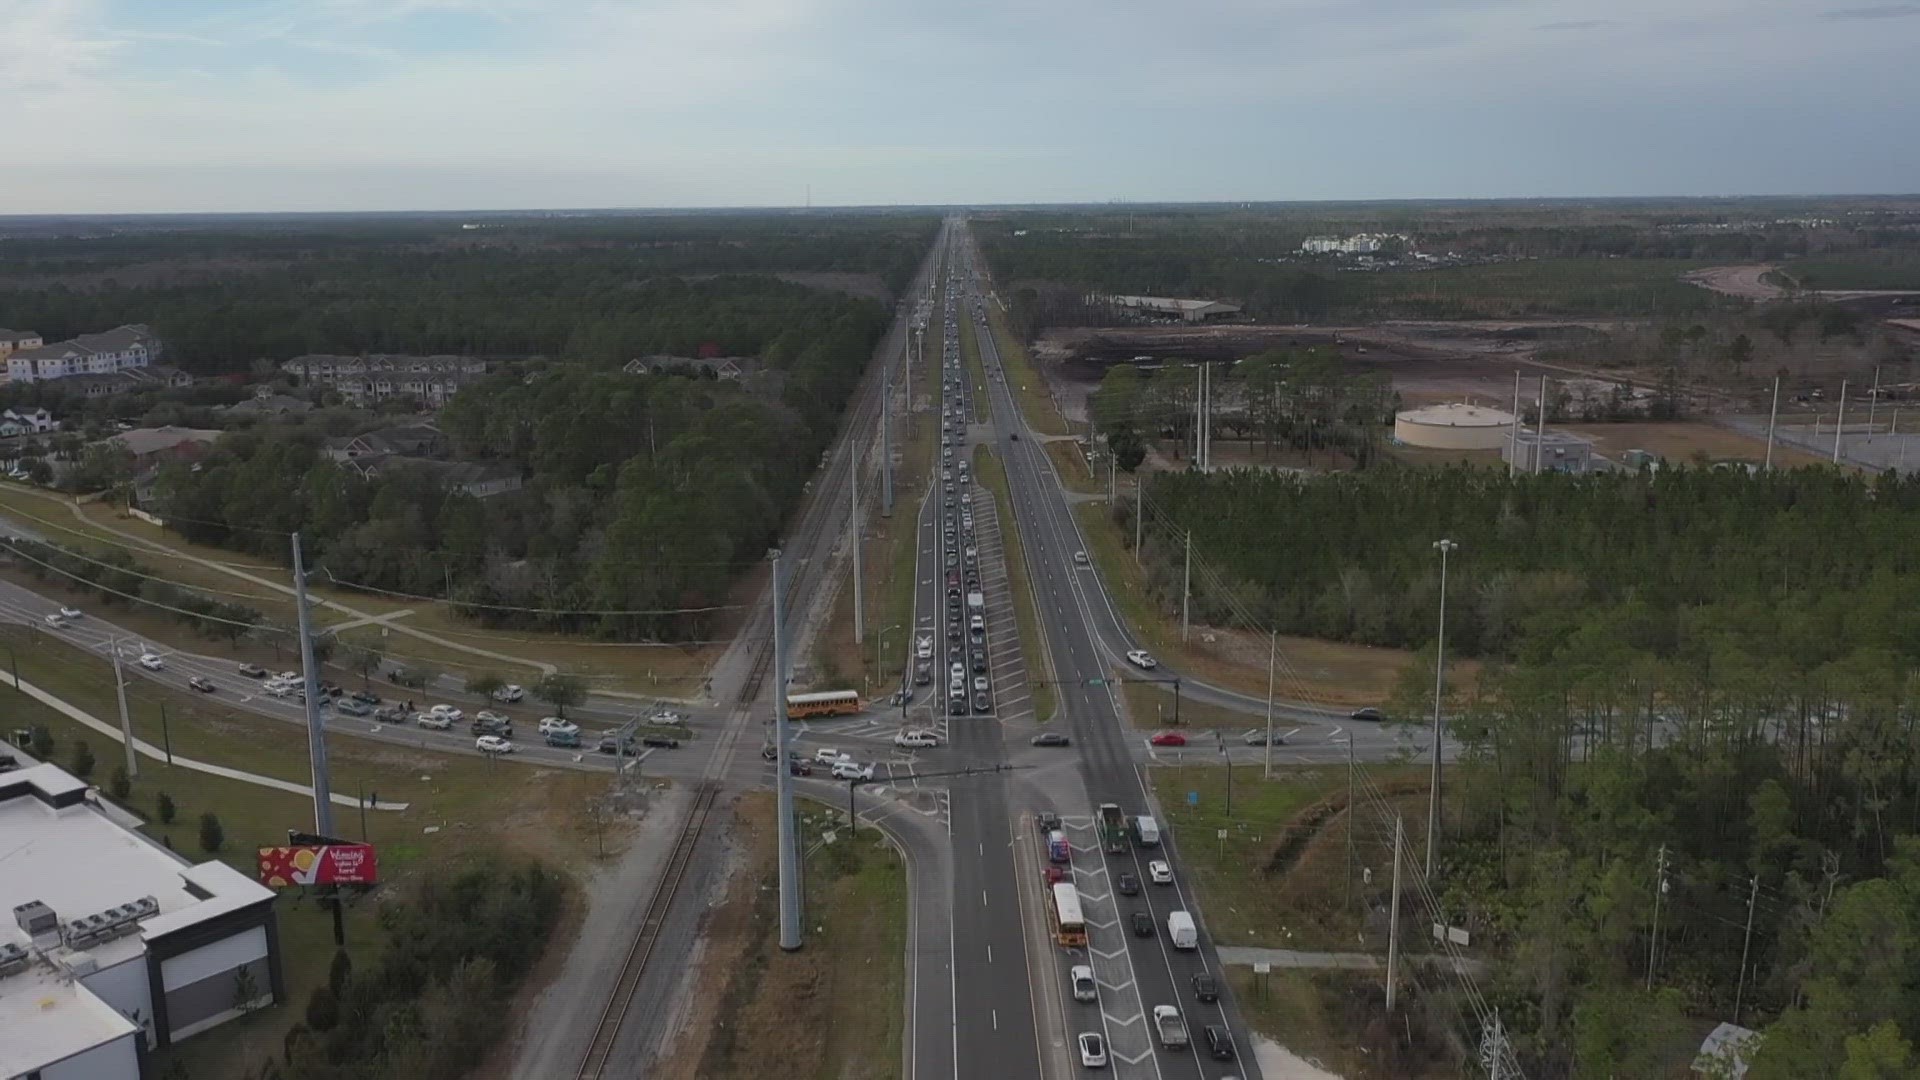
(989, 472)
(833, 1010)
(1023, 379)
(1686, 443)
(458, 807)
(1860, 270)
(1071, 463)
(976, 371)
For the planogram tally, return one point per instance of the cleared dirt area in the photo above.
(1686, 443)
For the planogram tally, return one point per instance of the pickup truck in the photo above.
(1172, 1029)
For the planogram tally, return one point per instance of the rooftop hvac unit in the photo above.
(35, 918)
(13, 959)
(145, 908)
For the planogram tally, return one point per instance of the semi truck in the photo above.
(1113, 828)
(1172, 1029)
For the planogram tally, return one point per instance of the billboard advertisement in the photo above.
(318, 864)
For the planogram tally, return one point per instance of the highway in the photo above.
(1135, 973)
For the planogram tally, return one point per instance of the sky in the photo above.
(224, 105)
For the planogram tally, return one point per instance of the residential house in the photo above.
(152, 446)
(12, 341)
(265, 402)
(32, 422)
(406, 440)
(730, 368)
(121, 349)
(363, 380)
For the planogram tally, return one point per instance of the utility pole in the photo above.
(1350, 816)
(1273, 656)
(1900, 463)
(1186, 592)
(1746, 943)
(853, 531)
(1139, 513)
(783, 777)
(886, 447)
(1444, 547)
(316, 735)
(1873, 401)
(1393, 918)
(1659, 893)
(1839, 421)
(1540, 440)
(1199, 411)
(1513, 431)
(126, 721)
(1773, 419)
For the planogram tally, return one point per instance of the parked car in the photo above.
(1141, 658)
(1168, 738)
(509, 693)
(253, 671)
(492, 744)
(432, 722)
(152, 661)
(1050, 738)
(352, 707)
(204, 685)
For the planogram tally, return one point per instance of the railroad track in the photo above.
(593, 1066)
(813, 546)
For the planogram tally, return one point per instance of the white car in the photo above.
(278, 687)
(509, 693)
(152, 661)
(492, 744)
(1159, 872)
(1084, 988)
(55, 619)
(1079, 558)
(916, 737)
(1093, 1050)
(827, 755)
(71, 612)
(669, 718)
(434, 723)
(290, 676)
(448, 711)
(553, 725)
(849, 769)
(923, 649)
(1141, 658)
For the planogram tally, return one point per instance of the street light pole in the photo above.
(1273, 654)
(790, 938)
(1444, 547)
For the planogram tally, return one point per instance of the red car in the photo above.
(1168, 738)
(1055, 875)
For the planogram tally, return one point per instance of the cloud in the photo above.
(1581, 24)
(1880, 11)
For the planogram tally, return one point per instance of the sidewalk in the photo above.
(147, 749)
(1351, 961)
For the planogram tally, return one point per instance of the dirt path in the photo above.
(1745, 282)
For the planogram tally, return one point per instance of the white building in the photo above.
(12, 341)
(1185, 310)
(1357, 244)
(116, 350)
(30, 422)
(433, 380)
(111, 945)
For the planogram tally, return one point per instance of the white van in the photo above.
(1181, 931)
(1146, 831)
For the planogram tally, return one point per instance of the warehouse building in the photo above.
(111, 944)
(1167, 307)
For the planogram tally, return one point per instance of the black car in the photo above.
(1369, 713)
(366, 697)
(205, 686)
(1205, 986)
(1219, 1042)
(253, 671)
(663, 742)
(1142, 924)
(392, 714)
(979, 661)
(609, 745)
(1051, 738)
(1128, 885)
(331, 689)
(502, 728)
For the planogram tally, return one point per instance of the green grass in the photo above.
(976, 371)
(1075, 472)
(862, 915)
(1328, 1017)
(988, 470)
(1150, 706)
(1028, 388)
(1860, 270)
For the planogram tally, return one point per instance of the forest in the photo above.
(641, 493)
(585, 289)
(1799, 565)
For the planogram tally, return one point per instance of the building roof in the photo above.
(16, 335)
(1172, 303)
(117, 339)
(1457, 414)
(270, 403)
(63, 850)
(143, 441)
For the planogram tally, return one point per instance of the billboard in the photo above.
(318, 864)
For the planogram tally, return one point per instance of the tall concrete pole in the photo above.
(886, 447)
(1139, 513)
(1839, 421)
(1900, 463)
(1393, 918)
(1199, 410)
(316, 734)
(853, 531)
(1540, 440)
(1773, 420)
(126, 719)
(1186, 592)
(790, 938)
(1513, 432)
(1873, 401)
(1273, 656)
(1444, 547)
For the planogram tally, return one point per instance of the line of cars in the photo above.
(969, 689)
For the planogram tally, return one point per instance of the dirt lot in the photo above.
(1686, 442)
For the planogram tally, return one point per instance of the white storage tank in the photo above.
(1454, 426)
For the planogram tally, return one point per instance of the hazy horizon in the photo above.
(369, 105)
